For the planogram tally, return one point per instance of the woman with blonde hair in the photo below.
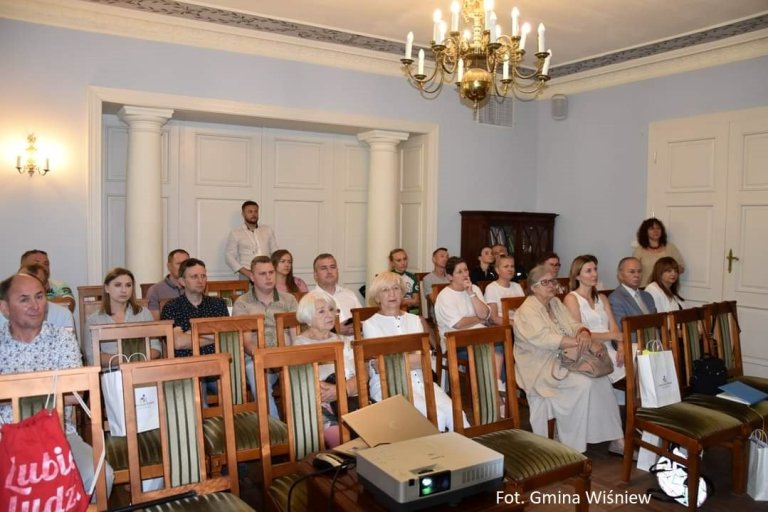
(118, 305)
(664, 285)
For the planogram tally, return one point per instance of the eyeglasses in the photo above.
(546, 282)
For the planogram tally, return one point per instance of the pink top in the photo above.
(282, 287)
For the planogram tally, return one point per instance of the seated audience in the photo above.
(459, 305)
(53, 287)
(651, 245)
(169, 287)
(593, 310)
(585, 408)
(485, 270)
(317, 309)
(118, 305)
(398, 260)
(29, 344)
(437, 276)
(499, 250)
(502, 287)
(55, 314)
(387, 291)
(193, 304)
(326, 272)
(664, 285)
(285, 281)
(551, 262)
(628, 299)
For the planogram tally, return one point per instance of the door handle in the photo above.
(731, 258)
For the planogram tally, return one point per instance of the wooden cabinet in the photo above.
(527, 235)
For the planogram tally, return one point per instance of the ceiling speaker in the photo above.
(559, 107)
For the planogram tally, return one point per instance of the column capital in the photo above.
(129, 114)
(383, 137)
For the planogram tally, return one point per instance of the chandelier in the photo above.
(481, 59)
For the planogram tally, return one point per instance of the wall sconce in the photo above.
(31, 164)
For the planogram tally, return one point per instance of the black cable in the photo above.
(339, 470)
(318, 472)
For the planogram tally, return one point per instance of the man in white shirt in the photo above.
(326, 273)
(248, 241)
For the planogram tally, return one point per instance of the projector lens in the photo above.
(434, 483)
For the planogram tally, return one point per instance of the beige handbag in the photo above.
(575, 360)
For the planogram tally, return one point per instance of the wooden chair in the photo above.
(68, 302)
(721, 323)
(436, 289)
(690, 426)
(298, 295)
(483, 285)
(360, 315)
(27, 392)
(229, 336)
(424, 299)
(230, 289)
(508, 305)
(90, 293)
(179, 403)
(299, 378)
(530, 461)
(131, 338)
(392, 359)
(145, 289)
(287, 326)
(565, 282)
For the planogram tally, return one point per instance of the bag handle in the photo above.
(759, 437)
(654, 346)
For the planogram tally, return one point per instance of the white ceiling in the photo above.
(576, 30)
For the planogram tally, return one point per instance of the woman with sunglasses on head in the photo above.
(585, 408)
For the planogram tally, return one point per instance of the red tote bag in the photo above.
(37, 470)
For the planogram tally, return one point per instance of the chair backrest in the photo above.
(90, 293)
(424, 299)
(436, 289)
(132, 337)
(641, 329)
(360, 315)
(300, 384)
(145, 289)
(508, 305)
(523, 284)
(37, 385)
(287, 328)
(486, 406)
(565, 282)
(484, 284)
(231, 289)
(721, 323)
(391, 356)
(298, 295)
(181, 427)
(69, 302)
(230, 336)
(686, 329)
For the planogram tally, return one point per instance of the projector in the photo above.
(428, 471)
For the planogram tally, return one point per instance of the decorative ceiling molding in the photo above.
(205, 27)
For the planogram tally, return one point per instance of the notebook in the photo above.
(743, 393)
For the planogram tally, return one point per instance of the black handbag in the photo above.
(709, 372)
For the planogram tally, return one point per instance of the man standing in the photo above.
(29, 344)
(192, 304)
(248, 241)
(398, 260)
(53, 287)
(326, 273)
(437, 276)
(627, 299)
(263, 299)
(168, 288)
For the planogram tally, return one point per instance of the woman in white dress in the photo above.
(585, 408)
(317, 309)
(502, 287)
(664, 285)
(594, 310)
(387, 291)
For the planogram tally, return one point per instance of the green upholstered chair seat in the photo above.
(688, 419)
(281, 487)
(214, 502)
(246, 432)
(754, 415)
(150, 450)
(760, 383)
(527, 455)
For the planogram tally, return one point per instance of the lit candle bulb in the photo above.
(409, 46)
(505, 68)
(18, 162)
(443, 28)
(498, 32)
(467, 35)
(421, 62)
(515, 22)
(492, 27)
(436, 18)
(542, 46)
(488, 5)
(526, 28)
(455, 8)
(47, 166)
(460, 73)
(545, 69)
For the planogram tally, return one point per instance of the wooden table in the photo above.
(349, 495)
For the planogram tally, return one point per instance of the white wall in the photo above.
(46, 72)
(592, 167)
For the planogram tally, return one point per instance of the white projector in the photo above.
(429, 471)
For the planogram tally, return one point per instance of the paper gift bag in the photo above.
(147, 415)
(657, 379)
(757, 481)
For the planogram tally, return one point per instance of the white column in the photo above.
(143, 192)
(383, 209)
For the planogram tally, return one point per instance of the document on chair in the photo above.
(742, 393)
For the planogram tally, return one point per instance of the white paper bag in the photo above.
(147, 415)
(757, 481)
(657, 379)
